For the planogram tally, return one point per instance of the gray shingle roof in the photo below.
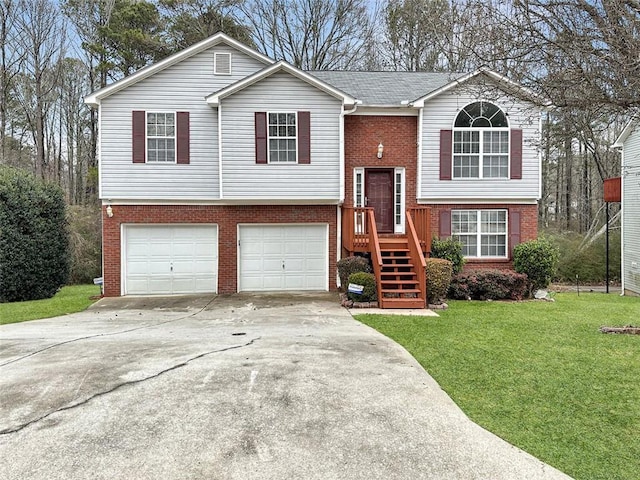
(386, 88)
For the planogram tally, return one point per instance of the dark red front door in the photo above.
(379, 195)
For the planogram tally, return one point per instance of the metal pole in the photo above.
(607, 248)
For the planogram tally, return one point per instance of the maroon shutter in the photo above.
(446, 137)
(514, 231)
(304, 137)
(261, 137)
(445, 223)
(182, 137)
(516, 153)
(138, 130)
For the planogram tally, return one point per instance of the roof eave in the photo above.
(213, 100)
(628, 129)
(94, 98)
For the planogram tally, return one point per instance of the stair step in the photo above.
(403, 303)
(398, 282)
(394, 259)
(397, 274)
(401, 291)
(395, 266)
(389, 251)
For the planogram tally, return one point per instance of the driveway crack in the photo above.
(124, 384)
(120, 332)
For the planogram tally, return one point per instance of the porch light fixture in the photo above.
(109, 211)
(380, 150)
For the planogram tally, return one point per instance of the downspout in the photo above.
(342, 185)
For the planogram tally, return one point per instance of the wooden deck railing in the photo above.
(417, 258)
(421, 217)
(355, 228)
(376, 254)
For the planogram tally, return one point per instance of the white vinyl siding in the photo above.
(631, 212)
(242, 178)
(181, 87)
(440, 112)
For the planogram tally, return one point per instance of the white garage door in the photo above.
(163, 259)
(283, 257)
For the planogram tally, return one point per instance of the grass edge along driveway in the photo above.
(540, 375)
(69, 299)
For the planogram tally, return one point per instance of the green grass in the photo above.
(69, 299)
(540, 375)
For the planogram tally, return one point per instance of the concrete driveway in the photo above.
(231, 387)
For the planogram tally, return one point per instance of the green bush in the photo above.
(439, 273)
(34, 240)
(350, 265)
(449, 249)
(588, 262)
(538, 259)
(86, 243)
(368, 281)
(489, 284)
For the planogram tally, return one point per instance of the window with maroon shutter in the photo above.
(514, 230)
(139, 142)
(182, 137)
(283, 137)
(261, 137)
(445, 154)
(445, 223)
(516, 153)
(483, 233)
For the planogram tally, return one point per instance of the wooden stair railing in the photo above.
(417, 258)
(422, 222)
(376, 254)
(355, 228)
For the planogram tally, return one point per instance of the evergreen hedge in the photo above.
(34, 239)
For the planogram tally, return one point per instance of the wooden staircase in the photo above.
(398, 278)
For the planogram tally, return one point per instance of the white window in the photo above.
(483, 233)
(481, 142)
(282, 137)
(161, 137)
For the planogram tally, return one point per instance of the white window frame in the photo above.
(215, 63)
(479, 233)
(399, 207)
(399, 203)
(149, 137)
(269, 138)
(481, 154)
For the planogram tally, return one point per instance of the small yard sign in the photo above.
(355, 288)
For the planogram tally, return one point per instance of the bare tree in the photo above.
(42, 41)
(311, 34)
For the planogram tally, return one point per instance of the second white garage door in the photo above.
(283, 257)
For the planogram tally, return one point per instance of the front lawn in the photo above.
(540, 375)
(70, 299)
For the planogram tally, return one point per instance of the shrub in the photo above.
(439, 273)
(350, 265)
(538, 259)
(34, 241)
(449, 249)
(489, 284)
(587, 262)
(368, 281)
(86, 244)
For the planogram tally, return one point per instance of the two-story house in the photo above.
(222, 170)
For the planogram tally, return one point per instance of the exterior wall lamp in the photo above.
(109, 211)
(380, 150)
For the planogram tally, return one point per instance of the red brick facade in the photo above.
(226, 217)
(399, 135)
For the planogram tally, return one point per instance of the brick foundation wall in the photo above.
(226, 217)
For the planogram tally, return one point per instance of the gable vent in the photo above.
(222, 63)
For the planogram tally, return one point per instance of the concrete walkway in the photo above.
(231, 387)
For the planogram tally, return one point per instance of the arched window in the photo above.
(481, 142)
